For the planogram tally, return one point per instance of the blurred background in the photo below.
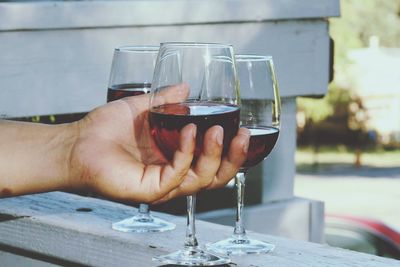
(348, 152)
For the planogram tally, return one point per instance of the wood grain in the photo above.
(67, 15)
(49, 225)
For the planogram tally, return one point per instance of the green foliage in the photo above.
(336, 101)
(315, 110)
(361, 19)
(36, 119)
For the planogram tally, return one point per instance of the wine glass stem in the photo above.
(144, 214)
(239, 231)
(144, 209)
(191, 241)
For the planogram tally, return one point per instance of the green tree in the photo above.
(359, 20)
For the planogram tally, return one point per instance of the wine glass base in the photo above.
(192, 257)
(237, 246)
(139, 224)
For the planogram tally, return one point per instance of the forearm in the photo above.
(35, 157)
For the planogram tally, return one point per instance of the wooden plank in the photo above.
(74, 14)
(279, 168)
(67, 71)
(12, 260)
(276, 218)
(317, 221)
(48, 224)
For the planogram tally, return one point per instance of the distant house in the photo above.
(375, 75)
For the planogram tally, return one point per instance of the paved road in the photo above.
(367, 192)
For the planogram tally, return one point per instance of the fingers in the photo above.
(233, 160)
(207, 164)
(210, 171)
(209, 160)
(172, 175)
(160, 183)
(172, 94)
(124, 178)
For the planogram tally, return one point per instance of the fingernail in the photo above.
(182, 89)
(194, 130)
(246, 145)
(244, 131)
(219, 137)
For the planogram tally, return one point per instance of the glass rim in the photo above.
(192, 44)
(251, 57)
(137, 48)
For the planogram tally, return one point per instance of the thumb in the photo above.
(171, 94)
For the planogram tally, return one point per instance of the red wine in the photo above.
(166, 122)
(262, 141)
(130, 89)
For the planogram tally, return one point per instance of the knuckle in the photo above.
(205, 182)
(147, 198)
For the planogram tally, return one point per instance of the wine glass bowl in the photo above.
(131, 71)
(260, 108)
(212, 99)
(167, 120)
(131, 75)
(263, 140)
(260, 113)
(209, 71)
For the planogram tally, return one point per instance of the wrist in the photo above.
(71, 172)
(36, 157)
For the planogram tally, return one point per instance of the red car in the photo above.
(363, 235)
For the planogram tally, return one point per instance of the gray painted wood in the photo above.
(295, 218)
(49, 225)
(13, 260)
(62, 71)
(67, 71)
(61, 15)
(317, 221)
(278, 170)
(57, 59)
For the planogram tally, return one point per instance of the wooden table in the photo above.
(57, 228)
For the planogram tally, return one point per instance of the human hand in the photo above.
(116, 156)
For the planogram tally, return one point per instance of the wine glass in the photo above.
(260, 113)
(131, 74)
(210, 73)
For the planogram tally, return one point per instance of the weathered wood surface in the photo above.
(48, 228)
(65, 68)
(295, 218)
(64, 71)
(116, 13)
(71, 44)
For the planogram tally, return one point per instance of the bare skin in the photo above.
(111, 152)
